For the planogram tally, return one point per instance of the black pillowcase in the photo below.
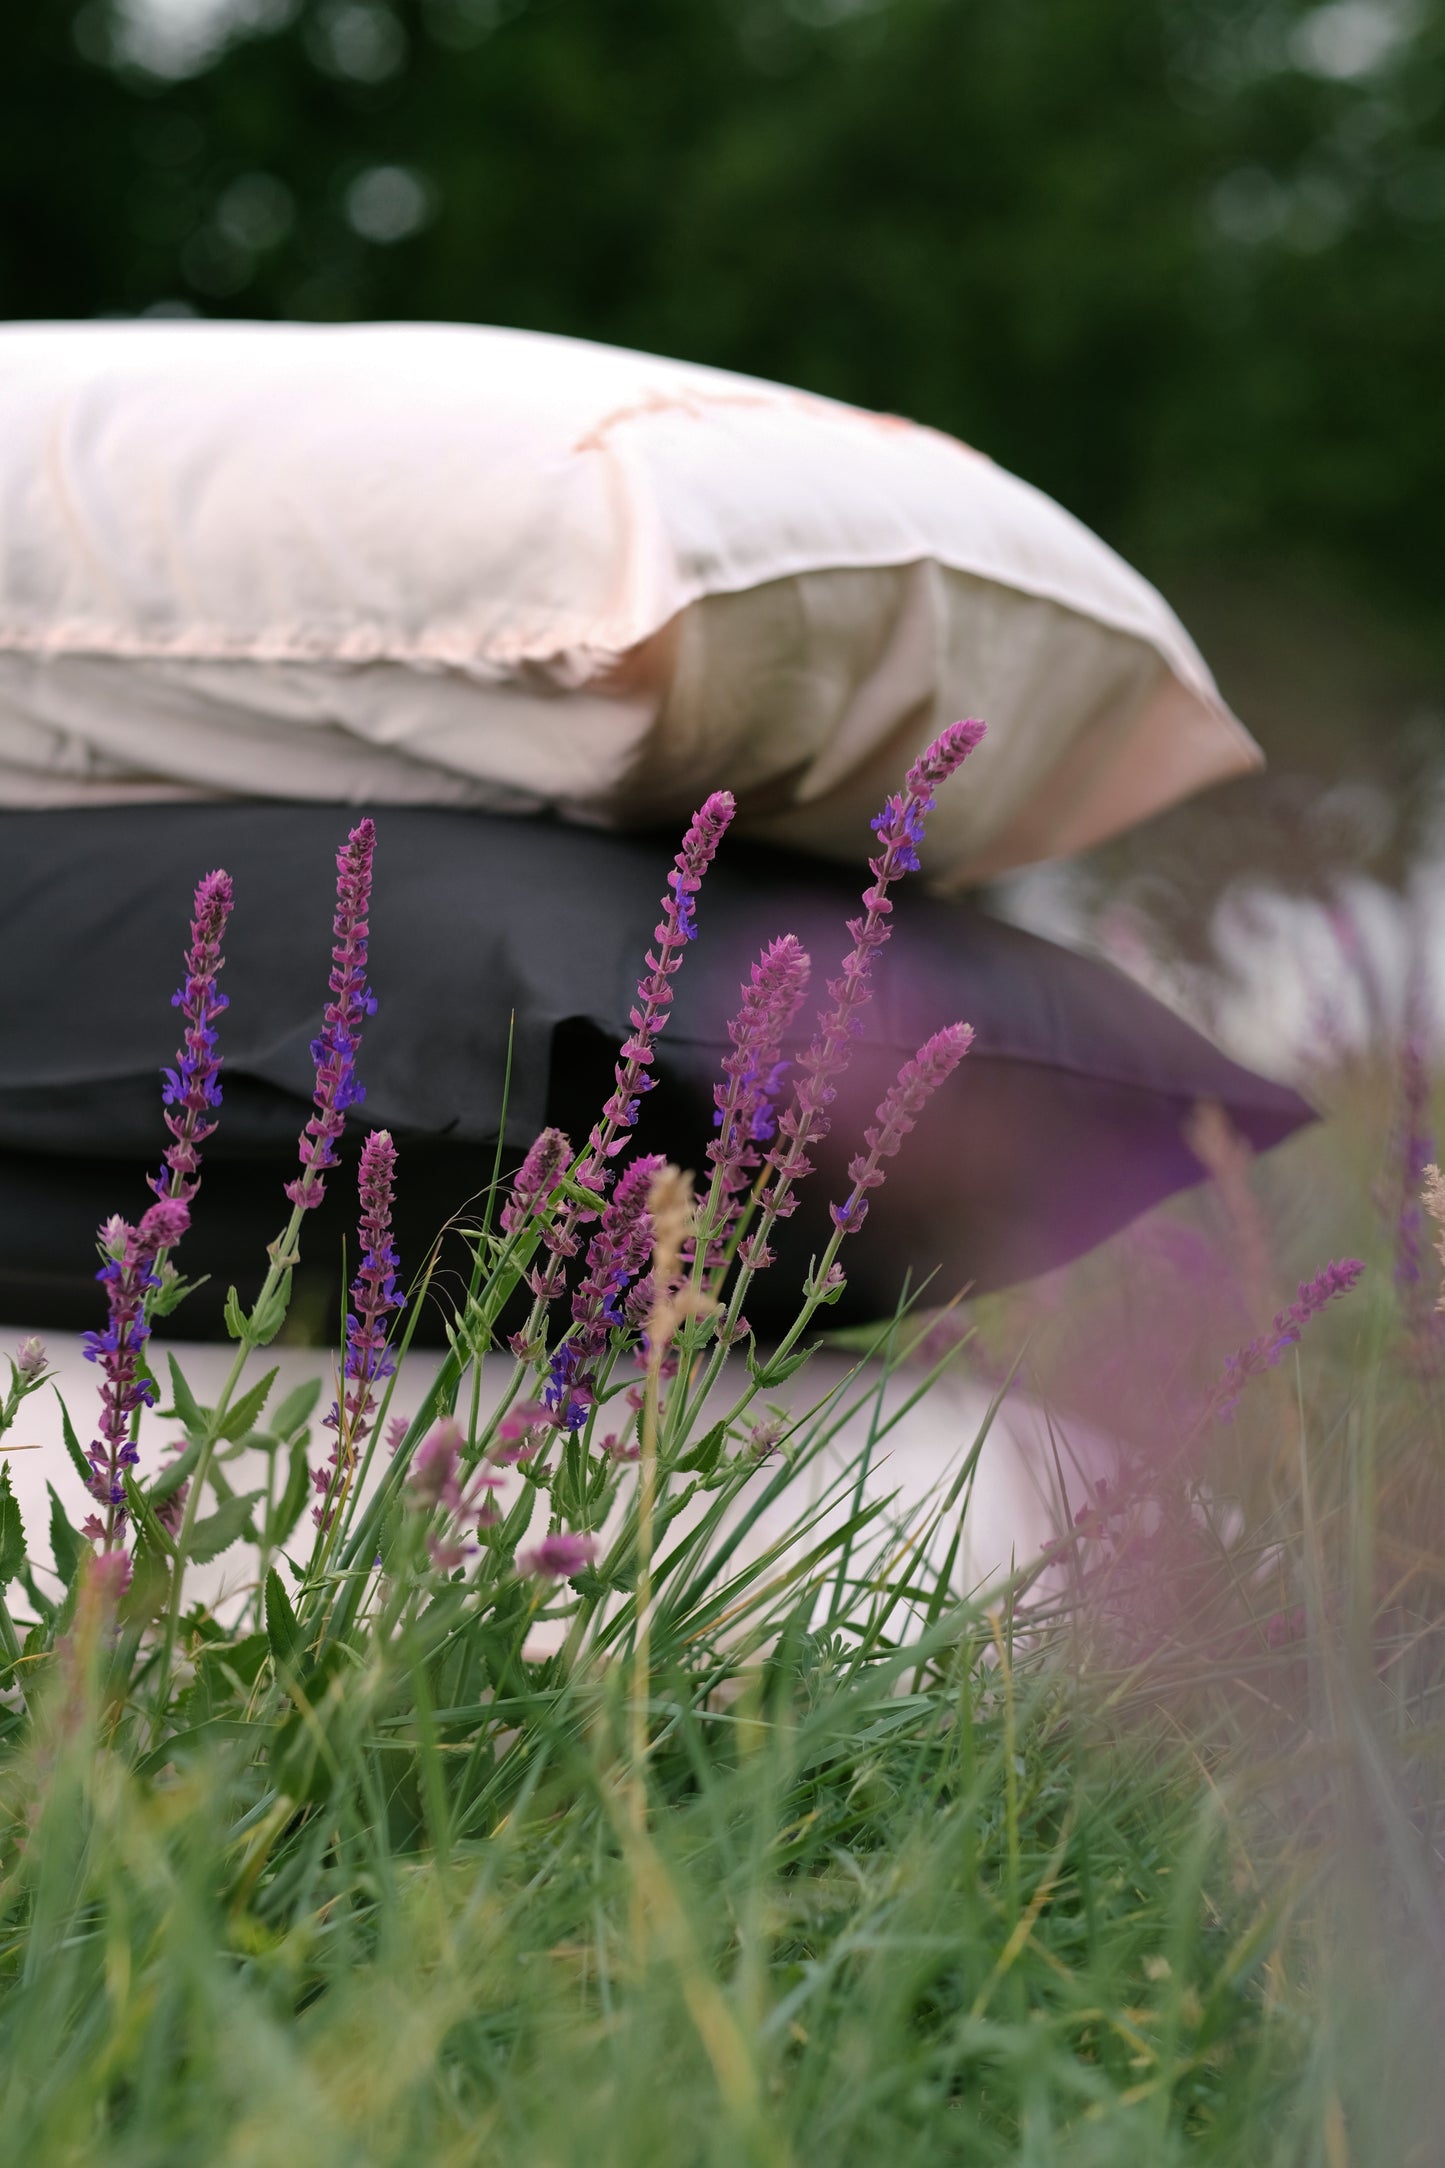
(505, 955)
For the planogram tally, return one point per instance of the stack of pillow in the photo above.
(252, 575)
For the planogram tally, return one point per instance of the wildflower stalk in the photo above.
(676, 927)
(368, 1359)
(130, 1276)
(669, 1209)
(29, 1369)
(192, 1088)
(334, 1052)
(255, 1332)
(1263, 1353)
(900, 830)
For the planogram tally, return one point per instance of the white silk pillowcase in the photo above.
(451, 565)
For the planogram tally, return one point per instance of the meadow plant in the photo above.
(638, 1286)
(193, 1087)
(517, 1763)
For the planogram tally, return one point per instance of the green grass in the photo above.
(1134, 1862)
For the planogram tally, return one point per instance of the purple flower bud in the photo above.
(128, 1275)
(545, 1164)
(557, 1557)
(191, 1088)
(435, 1484)
(31, 1359)
(676, 927)
(375, 1294)
(754, 1072)
(433, 1475)
(899, 828)
(352, 1001)
(107, 1576)
(1264, 1353)
(517, 1434)
(904, 1101)
(616, 1255)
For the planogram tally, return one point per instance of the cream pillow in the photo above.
(446, 564)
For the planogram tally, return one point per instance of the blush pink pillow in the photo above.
(446, 564)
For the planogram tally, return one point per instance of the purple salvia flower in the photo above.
(434, 1481)
(105, 1579)
(902, 1104)
(521, 1431)
(374, 1290)
(546, 1161)
(676, 927)
(1264, 1353)
(128, 1275)
(375, 1294)
(754, 1073)
(558, 1556)
(899, 828)
(432, 1477)
(192, 1089)
(352, 1001)
(617, 1253)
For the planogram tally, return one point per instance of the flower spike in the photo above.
(899, 829)
(352, 1001)
(128, 1275)
(192, 1087)
(904, 1101)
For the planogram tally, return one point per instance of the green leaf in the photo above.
(302, 1756)
(215, 1534)
(173, 1475)
(187, 1408)
(267, 1319)
(45, 1607)
(242, 1417)
(283, 1629)
(621, 1581)
(78, 1460)
(12, 1530)
(235, 1315)
(296, 1408)
(705, 1454)
(185, 1743)
(777, 1372)
(64, 1540)
(292, 1502)
(142, 1512)
(174, 1292)
(150, 1584)
(388, 1535)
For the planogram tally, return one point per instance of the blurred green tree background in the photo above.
(1179, 262)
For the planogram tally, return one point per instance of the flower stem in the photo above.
(283, 1258)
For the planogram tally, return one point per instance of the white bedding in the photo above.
(456, 565)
